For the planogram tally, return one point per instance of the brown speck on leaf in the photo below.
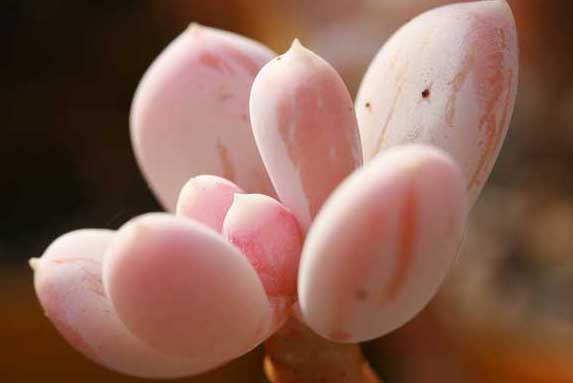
(361, 294)
(225, 96)
(368, 105)
(426, 93)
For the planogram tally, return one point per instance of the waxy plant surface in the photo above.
(282, 201)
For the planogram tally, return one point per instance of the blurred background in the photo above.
(69, 70)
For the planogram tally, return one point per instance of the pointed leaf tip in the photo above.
(296, 43)
(34, 263)
(194, 27)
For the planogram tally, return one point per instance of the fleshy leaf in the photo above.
(382, 244)
(447, 78)
(190, 113)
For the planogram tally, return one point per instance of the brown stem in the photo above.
(295, 354)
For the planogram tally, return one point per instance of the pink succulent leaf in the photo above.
(381, 246)
(190, 113)
(207, 199)
(68, 282)
(447, 78)
(184, 290)
(305, 128)
(269, 236)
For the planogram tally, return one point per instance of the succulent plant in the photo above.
(292, 220)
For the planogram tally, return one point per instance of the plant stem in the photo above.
(295, 354)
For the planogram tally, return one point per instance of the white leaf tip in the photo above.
(194, 27)
(297, 47)
(34, 263)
